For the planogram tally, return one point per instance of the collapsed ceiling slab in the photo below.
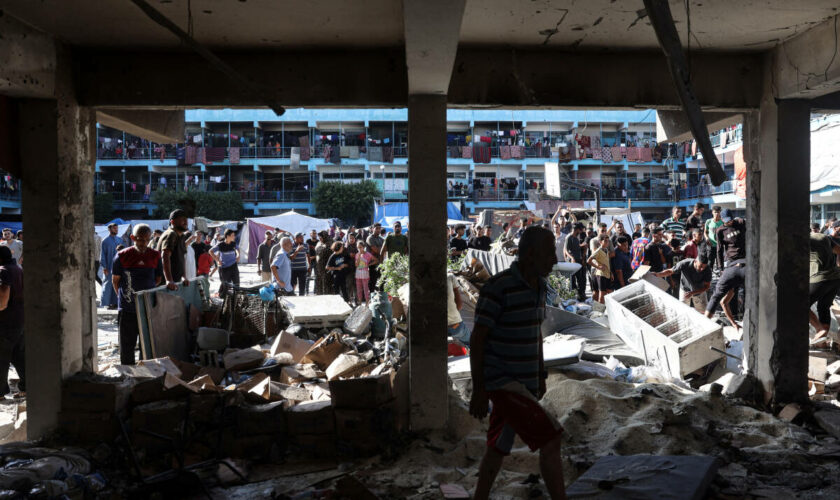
(162, 127)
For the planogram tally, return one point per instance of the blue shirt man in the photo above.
(281, 267)
(107, 252)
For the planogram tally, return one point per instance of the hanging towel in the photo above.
(201, 155)
(647, 154)
(233, 154)
(294, 157)
(596, 153)
(516, 152)
(454, 152)
(466, 152)
(190, 155)
(352, 152)
(615, 153)
(606, 155)
(388, 154)
(180, 156)
(326, 151)
(504, 152)
(214, 155)
(305, 152)
(632, 153)
(481, 154)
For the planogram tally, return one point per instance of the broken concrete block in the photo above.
(829, 420)
(833, 382)
(313, 417)
(290, 375)
(358, 323)
(345, 365)
(791, 412)
(817, 368)
(243, 359)
(741, 387)
(291, 393)
(288, 342)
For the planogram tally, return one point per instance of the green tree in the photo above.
(214, 206)
(352, 203)
(103, 208)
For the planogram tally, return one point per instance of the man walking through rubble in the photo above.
(134, 269)
(11, 321)
(506, 361)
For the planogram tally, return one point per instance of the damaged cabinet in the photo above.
(670, 334)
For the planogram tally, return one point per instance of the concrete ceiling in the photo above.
(743, 25)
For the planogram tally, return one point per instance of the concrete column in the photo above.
(781, 346)
(427, 260)
(57, 162)
(753, 280)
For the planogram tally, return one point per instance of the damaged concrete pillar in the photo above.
(778, 348)
(56, 144)
(427, 260)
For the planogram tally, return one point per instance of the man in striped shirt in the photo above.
(675, 223)
(506, 360)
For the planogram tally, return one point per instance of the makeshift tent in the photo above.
(253, 232)
(629, 220)
(400, 210)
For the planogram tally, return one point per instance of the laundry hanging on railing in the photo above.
(233, 154)
(374, 153)
(294, 157)
(190, 155)
(214, 155)
(481, 154)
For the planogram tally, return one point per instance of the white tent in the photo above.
(291, 222)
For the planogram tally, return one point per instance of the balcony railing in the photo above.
(704, 190)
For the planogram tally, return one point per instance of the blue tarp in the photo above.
(14, 226)
(400, 211)
(117, 221)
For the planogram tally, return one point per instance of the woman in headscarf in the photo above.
(323, 285)
(350, 249)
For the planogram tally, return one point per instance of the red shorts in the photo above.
(515, 414)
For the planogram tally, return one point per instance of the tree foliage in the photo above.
(103, 208)
(351, 203)
(212, 205)
(393, 273)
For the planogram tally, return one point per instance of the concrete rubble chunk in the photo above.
(790, 412)
(741, 387)
(358, 323)
(345, 365)
(833, 368)
(829, 420)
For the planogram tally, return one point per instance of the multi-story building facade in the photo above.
(275, 162)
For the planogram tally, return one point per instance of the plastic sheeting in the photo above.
(494, 263)
(825, 156)
(601, 342)
(646, 476)
(400, 210)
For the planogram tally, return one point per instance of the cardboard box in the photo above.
(267, 418)
(90, 393)
(315, 417)
(324, 351)
(287, 342)
(89, 426)
(363, 393)
(150, 390)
